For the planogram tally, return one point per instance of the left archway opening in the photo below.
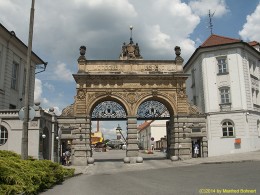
(108, 131)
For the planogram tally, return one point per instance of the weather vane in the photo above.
(210, 22)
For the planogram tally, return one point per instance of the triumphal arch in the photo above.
(132, 89)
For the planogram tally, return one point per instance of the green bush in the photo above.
(28, 176)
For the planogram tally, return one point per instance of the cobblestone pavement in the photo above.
(112, 161)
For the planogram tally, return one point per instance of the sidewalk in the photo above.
(153, 164)
(229, 158)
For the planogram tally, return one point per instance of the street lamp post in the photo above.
(24, 148)
(58, 138)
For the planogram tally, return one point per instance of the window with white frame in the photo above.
(252, 67)
(3, 135)
(224, 95)
(228, 129)
(253, 96)
(222, 65)
(257, 97)
(14, 75)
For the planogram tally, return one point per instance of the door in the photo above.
(197, 141)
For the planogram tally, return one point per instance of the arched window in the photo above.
(3, 135)
(227, 129)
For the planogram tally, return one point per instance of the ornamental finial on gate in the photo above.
(178, 57)
(82, 51)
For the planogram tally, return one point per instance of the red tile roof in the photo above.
(253, 43)
(214, 40)
(144, 125)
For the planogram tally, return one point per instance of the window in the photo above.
(196, 130)
(252, 66)
(253, 96)
(257, 97)
(222, 65)
(11, 106)
(228, 129)
(3, 135)
(14, 75)
(224, 95)
(24, 81)
(193, 78)
(195, 100)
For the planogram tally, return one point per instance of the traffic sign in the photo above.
(31, 113)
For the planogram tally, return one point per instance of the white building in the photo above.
(151, 131)
(224, 84)
(43, 129)
(13, 54)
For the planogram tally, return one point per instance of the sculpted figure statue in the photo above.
(124, 50)
(137, 50)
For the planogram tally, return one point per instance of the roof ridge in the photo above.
(218, 40)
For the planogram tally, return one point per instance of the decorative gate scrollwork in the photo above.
(152, 110)
(108, 110)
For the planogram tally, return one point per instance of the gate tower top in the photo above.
(130, 51)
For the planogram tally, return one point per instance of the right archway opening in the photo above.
(153, 131)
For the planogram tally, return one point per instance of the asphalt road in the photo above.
(186, 180)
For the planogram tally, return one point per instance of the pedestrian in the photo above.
(67, 157)
(196, 150)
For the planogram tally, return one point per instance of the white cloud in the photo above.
(57, 110)
(202, 7)
(159, 40)
(63, 73)
(251, 28)
(45, 101)
(37, 90)
(49, 86)
(189, 47)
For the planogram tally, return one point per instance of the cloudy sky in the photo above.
(61, 27)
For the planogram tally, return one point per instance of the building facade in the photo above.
(224, 84)
(43, 129)
(43, 133)
(13, 54)
(150, 132)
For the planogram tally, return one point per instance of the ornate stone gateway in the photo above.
(131, 89)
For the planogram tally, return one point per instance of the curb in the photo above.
(223, 162)
(75, 175)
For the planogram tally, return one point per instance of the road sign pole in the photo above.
(24, 148)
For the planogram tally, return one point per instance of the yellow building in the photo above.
(97, 136)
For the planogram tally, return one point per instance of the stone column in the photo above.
(181, 140)
(132, 142)
(81, 149)
(184, 139)
(170, 138)
(88, 136)
(204, 147)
